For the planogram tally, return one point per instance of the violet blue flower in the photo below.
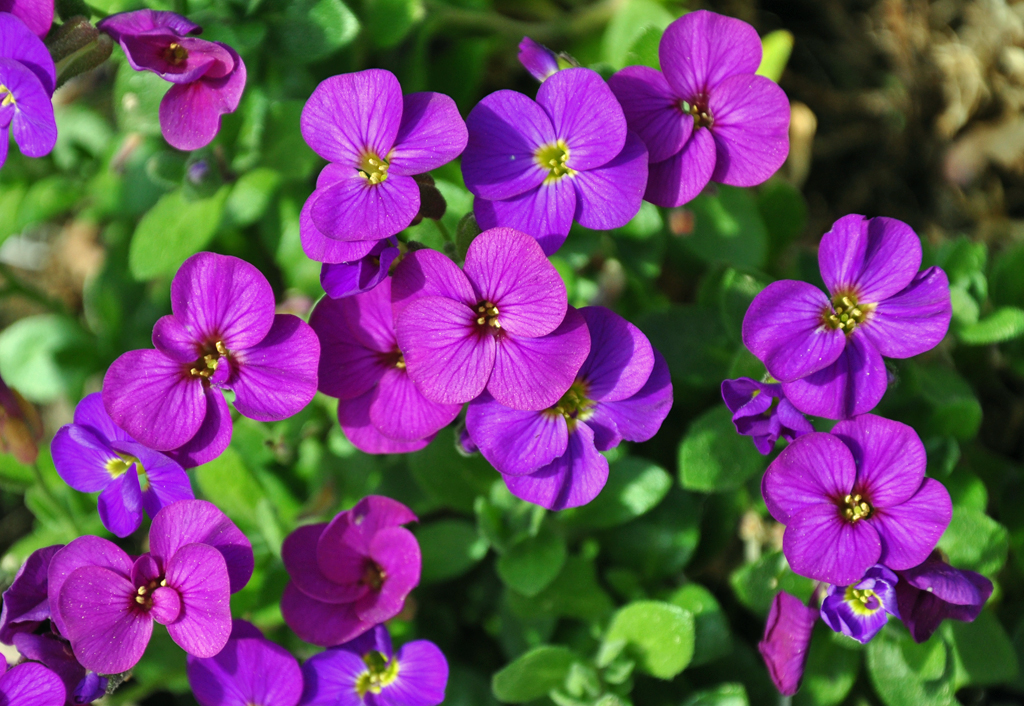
(343, 279)
(498, 324)
(36, 14)
(787, 635)
(95, 455)
(828, 352)
(105, 602)
(366, 672)
(377, 140)
(932, 591)
(855, 498)
(756, 415)
(208, 77)
(705, 116)
(25, 605)
(249, 670)
(80, 686)
(29, 684)
(537, 166)
(536, 58)
(862, 609)
(27, 80)
(379, 408)
(350, 574)
(223, 334)
(551, 457)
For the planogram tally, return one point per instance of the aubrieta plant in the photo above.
(461, 314)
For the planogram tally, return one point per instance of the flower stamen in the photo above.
(175, 54)
(554, 158)
(488, 315)
(7, 97)
(846, 313)
(856, 508)
(374, 168)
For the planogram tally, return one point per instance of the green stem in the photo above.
(14, 285)
(577, 23)
(444, 231)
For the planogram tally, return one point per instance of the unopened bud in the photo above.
(465, 232)
(76, 33)
(85, 59)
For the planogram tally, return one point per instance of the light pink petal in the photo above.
(872, 259)
(751, 129)
(277, 377)
(586, 115)
(817, 468)
(681, 177)
(652, 110)
(702, 48)
(432, 133)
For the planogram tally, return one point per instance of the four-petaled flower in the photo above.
(27, 79)
(860, 610)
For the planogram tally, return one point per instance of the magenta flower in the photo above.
(787, 635)
(551, 457)
(862, 609)
(756, 415)
(536, 58)
(36, 14)
(249, 670)
(855, 498)
(705, 116)
(498, 324)
(95, 455)
(366, 672)
(932, 591)
(222, 334)
(29, 684)
(343, 279)
(27, 80)
(105, 602)
(828, 351)
(537, 166)
(350, 574)
(379, 407)
(208, 77)
(377, 140)
(25, 606)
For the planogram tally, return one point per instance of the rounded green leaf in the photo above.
(713, 457)
(530, 565)
(533, 674)
(450, 548)
(173, 230)
(635, 487)
(1003, 324)
(660, 636)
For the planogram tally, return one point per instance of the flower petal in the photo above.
(81, 459)
(889, 455)
(299, 555)
(354, 530)
(166, 480)
(432, 133)
(652, 110)
(25, 601)
(120, 504)
(821, 545)
(787, 636)
(401, 412)
(91, 413)
(609, 196)
(190, 113)
(213, 436)
(319, 623)
(913, 321)
(396, 551)
(84, 551)
(347, 368)
(702, 48)
(31, 684)
(639, 417)
(428, 273)
(911, 530)
(571, 480)
(422, 676)
(345, 279)
(277, 377)
(515, 442)
(33, 125)
(534, 373)
(870, 258)
(200, 575)
(545, 212)
(681, 177)
(354, 418)
(961, 588)
(852, 385)
(138, 21)
(148, 52)
(20, 39)
(586, 115)
(329, 679)
(356, 209)
(505, 131)
(621, 358)
(815, 469)
(166, 605)
(751, 129)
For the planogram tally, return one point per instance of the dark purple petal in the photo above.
(814, 470)
(213, 436)
(749, 396)
(787, 635)
(33, 125)
(652, 110)
(545, 212)
(19, 38)
(353, 114)
(378, 639)
(190, 113)
(91, 688)
(571, 480)
(871, 259)
(913, 321)
(446, 357)
(201, 522)
(432, 133)
(536, 58)
(620, 360)
(637, 418)
(347, 368)
(139, 21)
(852, 385)
(120, 504)
(31, 685)
(609, 196)
(794, 424)
(839, 615)
(821, 545)
(751, 129)
(681, 177)
(785, 328)
(954, 586)
(910, 531)
(354, 208)
(345, 279)
(422, 676)
(25, 604)
(533, 373)
(81, 458)
(505, 131)
(149, 51)
(354, 418)
(428, 273)
(84, 551)
(277, 377)
(509, 269)
(515, 442)
(401, 412)
(320, 623)
(702, 48)
(329, 679)
(200, 576)
(889, 455)
(165, 480)
(299, 555)
(107, 634)
(396, 551)
(55, 654)
(586, 115)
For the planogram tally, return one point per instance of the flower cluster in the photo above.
(27, 81)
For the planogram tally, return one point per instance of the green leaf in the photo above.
(983, 651)
(727, 228)
(633, 20)
(533, 674)
(833, 661)
(907, 674)
(314, 29)
(1007, 286)
(530, 565)
(635, 486)
(644, 225)
(36, 356)
(756, 584)
(10, 201)
(695, 344)
(173, 230)
(712, 627)
(1003, 324)
(660, 543)
(721, 695)
(284, 150)
(137, 96)
(776, 47)
(47, 198)
(975, 541)
(955, 410)
(575, 593)
(251, 195)
(660, 636)
(784, 212)
(451, 480)
(450, 548)
(713, 457)
(389, 21)
(231, 486)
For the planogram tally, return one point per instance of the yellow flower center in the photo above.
(699, 110)
(374, 168)
(863, 601)
(175, 54)
(116, 467)
(380, 672)
(554, 158)
(846, 313)
(6, 97)
(857, 508)
(487, 315)
(575, 406)
(206, 365)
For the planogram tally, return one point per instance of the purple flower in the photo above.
(223, 334)
(27, 80)
(756, 415)
(350, 574)
(379, 407)
(29, 684)
(366, 672)
(25, 605)
(105, 602)
(537, 166)
(551, 457)
(208, 77)
(377, 140)
(80, 686)
(536, 58)
(862, 609)
(498, 324)
(828, 352)
(705, 116)
(855, 498)
(249, 670)
(36, 14)
(787, 635)
(343, 279)
(95, 455)
(929, 593)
